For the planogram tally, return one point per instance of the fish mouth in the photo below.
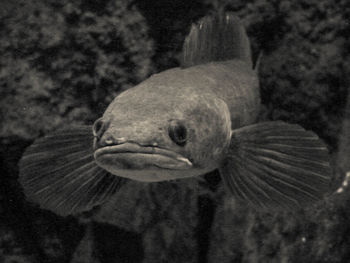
(129, 155)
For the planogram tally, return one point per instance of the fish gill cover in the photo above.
(50, 52)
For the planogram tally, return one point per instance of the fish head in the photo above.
(157, 136)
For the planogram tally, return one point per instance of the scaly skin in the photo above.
(211, 99)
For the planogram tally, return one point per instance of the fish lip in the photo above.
(130, 147)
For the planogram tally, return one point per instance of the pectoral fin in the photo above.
(59, 172)
(276, 165)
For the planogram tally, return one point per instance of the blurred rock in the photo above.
(11, 250)
(343, 156)
(165, 213)
(86, 250)
(63, 62)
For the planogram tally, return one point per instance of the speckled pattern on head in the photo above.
(209, 99)
(233, 81)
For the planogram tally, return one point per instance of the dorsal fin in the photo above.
(216, 38)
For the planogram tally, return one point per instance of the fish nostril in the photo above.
(110, 140)
(103, 138)
(106, 141)
(99, 128)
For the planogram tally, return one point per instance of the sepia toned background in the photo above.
(62, 62)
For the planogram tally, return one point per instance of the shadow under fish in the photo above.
(183, 122)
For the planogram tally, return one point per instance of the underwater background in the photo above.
(62, 62)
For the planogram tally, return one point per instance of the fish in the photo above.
(180, 123)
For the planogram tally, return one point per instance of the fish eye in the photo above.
(177, 132)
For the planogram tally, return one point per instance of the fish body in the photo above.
(183, 122)
(210, 100)
(234, 82)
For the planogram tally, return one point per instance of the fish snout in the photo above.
(99, 127)
(103, 138)
(109, 140)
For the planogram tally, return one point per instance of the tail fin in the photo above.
(218, 38)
